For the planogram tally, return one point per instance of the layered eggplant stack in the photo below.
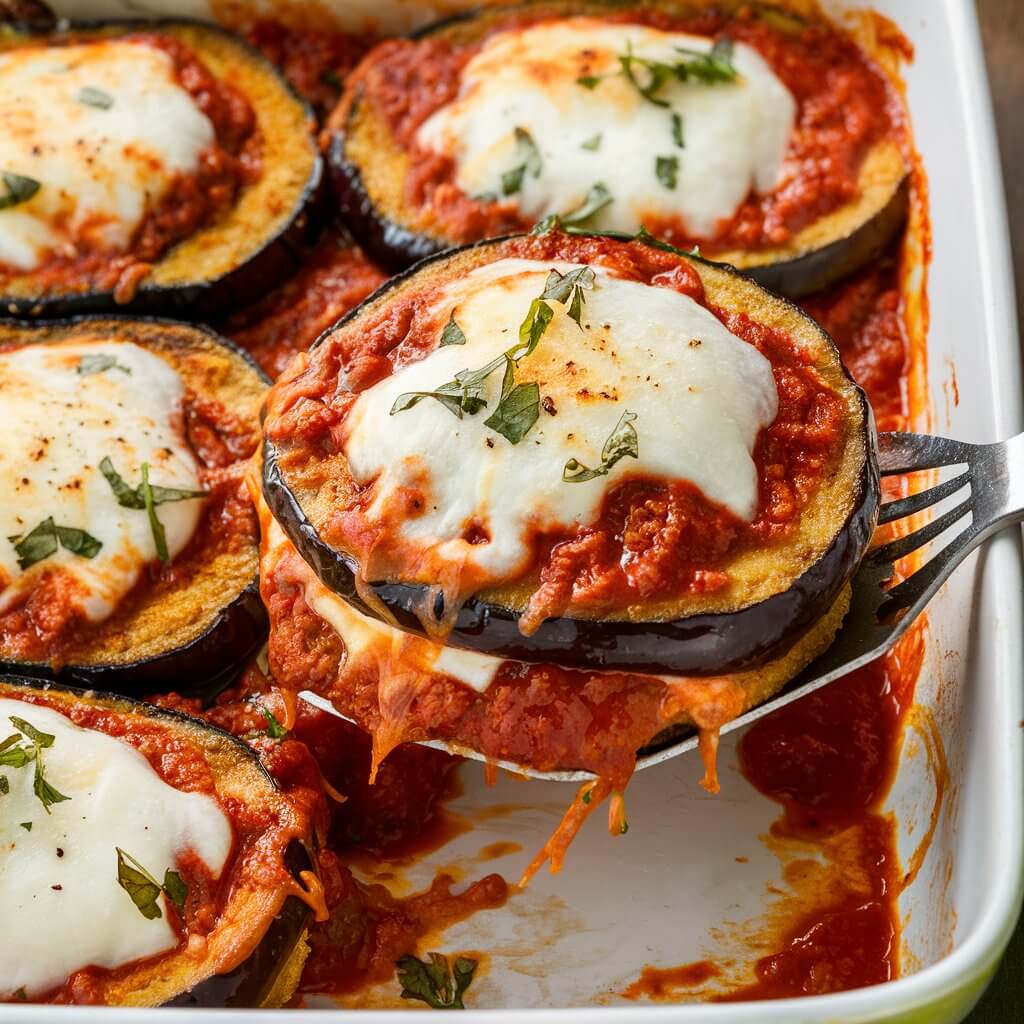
(550, 496)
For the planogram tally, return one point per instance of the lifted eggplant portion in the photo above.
(234, 260)
(210, 619)
(783, 589)
(253, 956)
(369, 168)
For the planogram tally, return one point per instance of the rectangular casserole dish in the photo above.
(673, 891)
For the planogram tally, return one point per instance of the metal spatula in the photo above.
(992, 482)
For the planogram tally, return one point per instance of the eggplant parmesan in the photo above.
(577, 449)
(550, 496)
(147, 857)
(155, 165)
(128, 544)
(774, 143)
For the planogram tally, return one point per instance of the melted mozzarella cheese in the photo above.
(101, 165)
(56, 426)
(61, 907)
(365, 636)
(735, 133)
(700, 395)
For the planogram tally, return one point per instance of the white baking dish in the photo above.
(658, 895)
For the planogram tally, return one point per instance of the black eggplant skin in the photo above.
(388, 244)
(699, 645)
(237, 632)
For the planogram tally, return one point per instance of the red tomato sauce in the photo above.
(335, 278)
(192, 202)
(397, 817)
(845, 105)
(47, 626)
(678, 541)
(829, 759)
(316, 62)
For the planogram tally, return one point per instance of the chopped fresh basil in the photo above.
(134, 497)
(145, 890)
(452, 333)
(99, 362)
(275, 730)
(596, 199)
(5, 786)
(517, 412)
(157, 528)
(435, 981)
(622, 441)
(711, 67)
(31, 752)
(666, 168)
(677, 130)
(175, 888)
(20, 189)
(518, 407)
(655, 74)
(140, 885)
(93, 97)
(26, 825)
(649, 76)
(146, 496)
(43, 740)
(569, 288)
(593, 143)
(532, 329)
(42, 541)
(529, 159)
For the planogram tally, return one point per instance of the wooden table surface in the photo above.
(1002, 24)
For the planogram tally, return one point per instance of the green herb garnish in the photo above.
(42, 541)
(99, 362)
(146, 496)
(434, 981)
(275, 730)
(93, 97)
(26, 825)
(144, 889)
(452, 333)
(18, 751)
(518, 406)
(595, 200)
(666, 168)
(649, 76)
(593, 143)
(529, 159)
(677, 130)
(517, 411)
(622, 441)
(20, 189)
